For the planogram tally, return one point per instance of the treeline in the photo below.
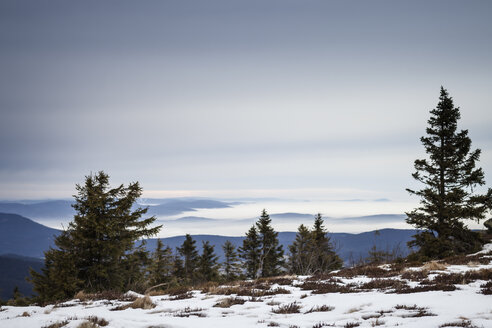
(97, 251)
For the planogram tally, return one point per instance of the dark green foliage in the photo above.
(162, 265)
(449, 175)
(250, 253)
(190, 259)
(271, 253)
(301, 259)
(312, 252)
(96, 252)
(208, 269)
(231, 263)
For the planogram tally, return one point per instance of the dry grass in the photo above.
(106, 295)
(25, 314)
(252, 291)
(229, 301)
(57, 324)
(417, 311)
(188, 312)
(352, 324)
(462, 323)
(181, 296)
(87, 324)
(273, 324)
(320, 308)
(289, 308)
(434, 265)
(144, 303)
(98, 321)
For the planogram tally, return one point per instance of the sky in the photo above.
(287, 99)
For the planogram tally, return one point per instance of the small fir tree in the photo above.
(190, 257)
(231, 265)
(250, 253)
(449, 175)
(271, 253)
(208, 269)
(313, 252)
(301, 259)
(162, 264)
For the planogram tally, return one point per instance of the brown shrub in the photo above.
(415, 275)
(57, 324)
(486, 288)
(322, 308)
(425, 288)
(98, 321)
(286, 309)
(383, 284)
(462, 323)
(182, 296)
(352, 324)
(325, 288)
(369, 271)
(187, 312)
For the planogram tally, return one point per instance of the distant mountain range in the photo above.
(13, 272)
(23, 241)
(62, 209)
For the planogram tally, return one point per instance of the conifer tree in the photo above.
(162, 264)
(231, 264)
(208, 269)
(312, 251)
(301, 259)
(271, 253)
(190, 257)
(96, 250)
(250, 253)
(326, 258)
(449, 175)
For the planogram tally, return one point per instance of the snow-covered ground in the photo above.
(466, 306)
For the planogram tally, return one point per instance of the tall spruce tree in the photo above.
(190, 257)
(96, 250)
(449, 176)
(250, 253)
(271, 253)
(208, 269)
(231, 266)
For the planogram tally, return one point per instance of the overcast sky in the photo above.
(300, 99)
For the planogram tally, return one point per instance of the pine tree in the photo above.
(250, 253)
(301, 252)
(162, 264)
(231, 264)
(449, 176)
(312, 251)
(96, 250)
(326, 258)
(271, 253)
(190, 257)
(208, 269)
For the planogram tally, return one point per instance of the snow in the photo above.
(369, 309)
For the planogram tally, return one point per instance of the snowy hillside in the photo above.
(453, 294)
